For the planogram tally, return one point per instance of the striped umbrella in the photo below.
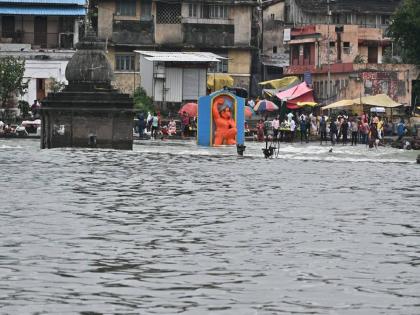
(265, 106)
(249, 112)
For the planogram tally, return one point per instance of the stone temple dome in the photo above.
(89, 65)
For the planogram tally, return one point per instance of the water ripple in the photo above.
(175, 228)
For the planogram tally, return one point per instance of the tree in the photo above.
(56, 86)
(405, 30)
(142, 102)
(11, 79)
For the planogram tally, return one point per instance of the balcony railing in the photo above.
(140, 32)
(195, 20)
(204, 35)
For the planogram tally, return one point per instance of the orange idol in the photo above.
(225, 126)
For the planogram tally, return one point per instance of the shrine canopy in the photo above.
(297, 94)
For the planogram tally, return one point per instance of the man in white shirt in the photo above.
(292, 130)
(289, 117)
(275, 124)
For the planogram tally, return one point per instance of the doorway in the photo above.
(40, 89)
(40, 30)
(372, 54)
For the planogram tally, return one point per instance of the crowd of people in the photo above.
(154, 125)
(343, 129)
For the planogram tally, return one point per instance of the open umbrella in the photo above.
(265, 106)
(249, 112)
(190, 109)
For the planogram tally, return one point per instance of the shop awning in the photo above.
(295, 92)
(379, 100)
(339, 104)
(217, 81)
(280, 83)
(299, 93)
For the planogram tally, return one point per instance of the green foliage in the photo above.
(359, 59)
(389, 58)
(11, 78)
(405, 30)
(24, 108)
(56, 86)
(142, 102)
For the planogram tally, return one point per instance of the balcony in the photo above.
(205, 35)
(128, 32)
(195, 20)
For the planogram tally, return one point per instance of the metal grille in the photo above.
(168, 13)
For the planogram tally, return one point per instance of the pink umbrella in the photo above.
(190, 109)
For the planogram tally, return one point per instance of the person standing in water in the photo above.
(333, 131)
(155, 126)
(323, 129)
(354, 131)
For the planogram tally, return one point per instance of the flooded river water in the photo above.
(172, 228)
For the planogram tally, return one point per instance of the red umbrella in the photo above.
(190, 109)
(249, 112)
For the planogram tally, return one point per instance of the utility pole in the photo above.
(328, 51)
(87, 24)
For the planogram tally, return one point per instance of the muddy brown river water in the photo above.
(172, 228)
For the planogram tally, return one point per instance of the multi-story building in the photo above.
(343, 46)
(274, 54)
(44, 33)
(222, 27)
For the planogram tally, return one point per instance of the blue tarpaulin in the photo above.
(42, 10)
(77, 2)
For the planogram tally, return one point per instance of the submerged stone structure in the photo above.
(89, 112)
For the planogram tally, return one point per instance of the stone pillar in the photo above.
(76, 32)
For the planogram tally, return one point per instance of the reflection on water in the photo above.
(174, 228)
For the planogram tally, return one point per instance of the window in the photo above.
(214, 11)
(274, 49)
(168, 13)
(385, 19)
(273, 16)
(348, 19)
(192, 10)
(219, 67)
(307, 54)
(8, 26)
(346, 47)
(124, 62)
(332, 44)
(146, 10)
(126, 7)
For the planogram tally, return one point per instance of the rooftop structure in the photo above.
(171, 78)
(226, 28)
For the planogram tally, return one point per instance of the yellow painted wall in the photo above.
(239, 61)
